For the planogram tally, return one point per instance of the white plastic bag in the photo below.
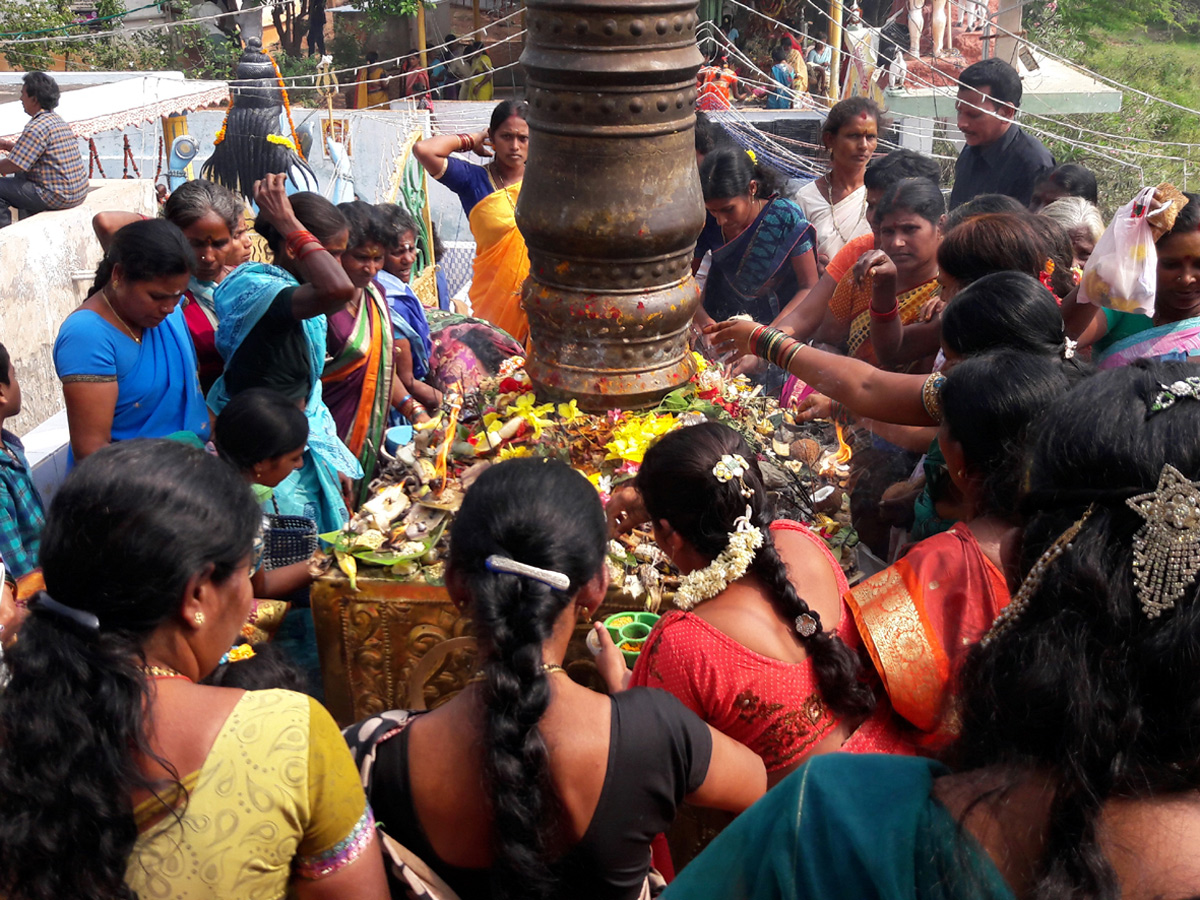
(1121, 272)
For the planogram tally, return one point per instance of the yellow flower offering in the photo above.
(635, 434)
(526, 406)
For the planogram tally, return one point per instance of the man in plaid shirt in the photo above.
(44, 168)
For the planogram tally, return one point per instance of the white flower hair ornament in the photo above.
(734, 561)
(731, 564)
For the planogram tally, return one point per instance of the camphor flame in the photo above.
(844, 453)
(451, 431)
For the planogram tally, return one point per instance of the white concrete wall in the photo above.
(46, 266)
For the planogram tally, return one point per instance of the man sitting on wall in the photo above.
(44, 168)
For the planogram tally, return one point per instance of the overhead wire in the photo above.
(1086, 145)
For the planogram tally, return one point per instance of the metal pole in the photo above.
(477, 18)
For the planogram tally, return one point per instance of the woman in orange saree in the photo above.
(918, 617)
(489, 198)
(901, 276)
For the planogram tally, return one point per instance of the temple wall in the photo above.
(46, 266)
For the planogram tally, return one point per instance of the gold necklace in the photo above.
(548, 668)
(163, 672)
(833, 213)
(108, 303)
(495, 174)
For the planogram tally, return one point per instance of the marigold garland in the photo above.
(287, 107)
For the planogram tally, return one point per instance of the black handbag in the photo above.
(287, 540)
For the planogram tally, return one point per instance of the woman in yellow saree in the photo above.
(370, 91)
(481, 87)
(489, 198)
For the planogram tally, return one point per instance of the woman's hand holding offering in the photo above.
(625, 511)
(610, 661)
(732, 336)
(814, 406)
(879, 266)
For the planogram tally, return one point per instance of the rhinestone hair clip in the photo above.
(1166, 549)
(1184, 389)
(1009, 615)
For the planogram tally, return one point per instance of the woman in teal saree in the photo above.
(272, 333)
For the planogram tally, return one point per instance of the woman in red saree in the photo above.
(766, 652)
(918, 617)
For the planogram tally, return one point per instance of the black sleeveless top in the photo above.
(658, 753)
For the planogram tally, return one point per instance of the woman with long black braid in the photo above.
(758, 645)
(526, 784)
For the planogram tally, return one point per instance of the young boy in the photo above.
(21, 512)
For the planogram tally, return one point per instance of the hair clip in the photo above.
(1166, 549)
(806, 625)
(1017, 606)
(1185, 389)
(556, 580)
(729, 467)
(237, 653)
(85, 620)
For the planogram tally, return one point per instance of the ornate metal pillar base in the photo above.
(611, 204)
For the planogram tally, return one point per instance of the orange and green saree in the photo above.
(851, 304)
(357, 379)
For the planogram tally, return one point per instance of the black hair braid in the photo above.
(835, 665)
(516, 695)
(103, 276)
(544, 514)
(72, 789)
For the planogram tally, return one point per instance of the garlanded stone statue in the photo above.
(251, 142)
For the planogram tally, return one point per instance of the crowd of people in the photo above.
(459, 69)
(1003, 709)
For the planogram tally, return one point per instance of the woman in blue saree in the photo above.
(273, 334)
(125, 357)
(767, 260)
(1079, 762)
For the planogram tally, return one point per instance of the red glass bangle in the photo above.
(885, 316)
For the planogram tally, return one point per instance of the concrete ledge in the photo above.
(46, 266)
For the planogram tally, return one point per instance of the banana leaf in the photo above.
(342, 542)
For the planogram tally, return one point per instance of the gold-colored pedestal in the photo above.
(392, 645)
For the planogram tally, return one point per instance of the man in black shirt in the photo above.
(999, 157)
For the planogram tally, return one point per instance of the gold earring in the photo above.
(198, 618)
(584, 615)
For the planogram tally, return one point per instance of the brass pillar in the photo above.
(611, 205)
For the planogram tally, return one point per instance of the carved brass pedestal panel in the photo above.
(392, 645)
